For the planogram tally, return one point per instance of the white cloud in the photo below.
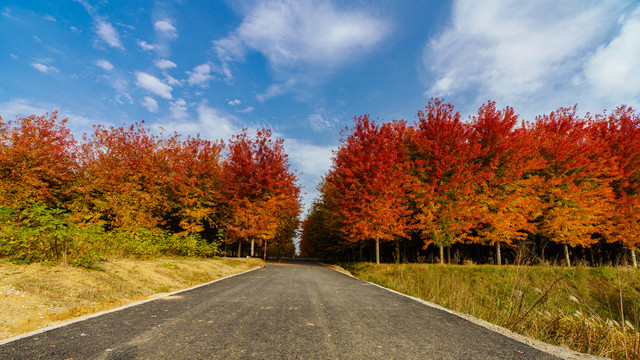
(165, 64)
(78, 124)
(211, 123)
(14, 56)
(319, 122)
(49, 18)
(106, 31)
(200, 75)
(179, 109)
(614, 70)
(104, 64)
(145, 46)
(234, 102)
(313, 161)
(533, 54)
(275, 90)
(150, 103)
(121, 85)
(153, 85)
(246, 110)
(165, 28)
(293, 33)
(173, 81)
(44, 68)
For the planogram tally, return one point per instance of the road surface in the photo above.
(281, 311)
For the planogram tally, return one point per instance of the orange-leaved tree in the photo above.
(442, 165)
(369, 182)
(621, 132)
(37, 161)
(575, 192)
(193, 185)
(123, 176)
(260, 190)
(508, 188)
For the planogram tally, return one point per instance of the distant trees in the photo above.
(128, 190)
(562, 179)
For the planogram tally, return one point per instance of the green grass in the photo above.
(578, 307)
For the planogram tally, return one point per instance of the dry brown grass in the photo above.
(590, 310)
(35, 296)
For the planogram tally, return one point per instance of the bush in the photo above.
(40, 233)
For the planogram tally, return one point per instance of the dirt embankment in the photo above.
(35, 296)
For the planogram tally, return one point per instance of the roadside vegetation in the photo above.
(37, 295)
(133, 191)
(563, 188)
(590, 310)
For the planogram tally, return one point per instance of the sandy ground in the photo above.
(35, 296)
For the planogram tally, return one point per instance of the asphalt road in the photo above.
(282, 311)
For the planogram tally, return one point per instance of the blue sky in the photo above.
(306, 68)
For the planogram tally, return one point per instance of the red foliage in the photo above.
(443, 166)
(36, 160)
(369, 182)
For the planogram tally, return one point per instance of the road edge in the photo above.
(562, 352)
(135, 303)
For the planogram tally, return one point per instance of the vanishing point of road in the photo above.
(281, 311)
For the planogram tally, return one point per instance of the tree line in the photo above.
(562, 185)
(130, 191)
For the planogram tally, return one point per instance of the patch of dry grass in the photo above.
(590, 310)
(35, 296)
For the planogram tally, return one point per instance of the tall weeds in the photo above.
(591, 310)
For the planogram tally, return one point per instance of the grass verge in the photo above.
(36, 295)
(590, 310)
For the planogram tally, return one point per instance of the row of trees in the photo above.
(491, 181)
(130, 184)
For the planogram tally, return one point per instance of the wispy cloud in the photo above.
(108, 34)
(531, 54)
(246, 110)
(320, 122)
(153, 85)
(150, 103)
(78, 124)
(296, 35)
(44, 68)
(49, 17)
(103, 28)
(105, 65)
(234, 102)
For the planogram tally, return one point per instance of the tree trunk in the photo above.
(377, 251)
(449, 254)
(633, 258)
(566, 254)
(239, 248)
(397, 252)
(361, 256)
(441, 255)
(252, 246)
(593, 261)
(265, 250)
(225, 249)
(498, 254)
